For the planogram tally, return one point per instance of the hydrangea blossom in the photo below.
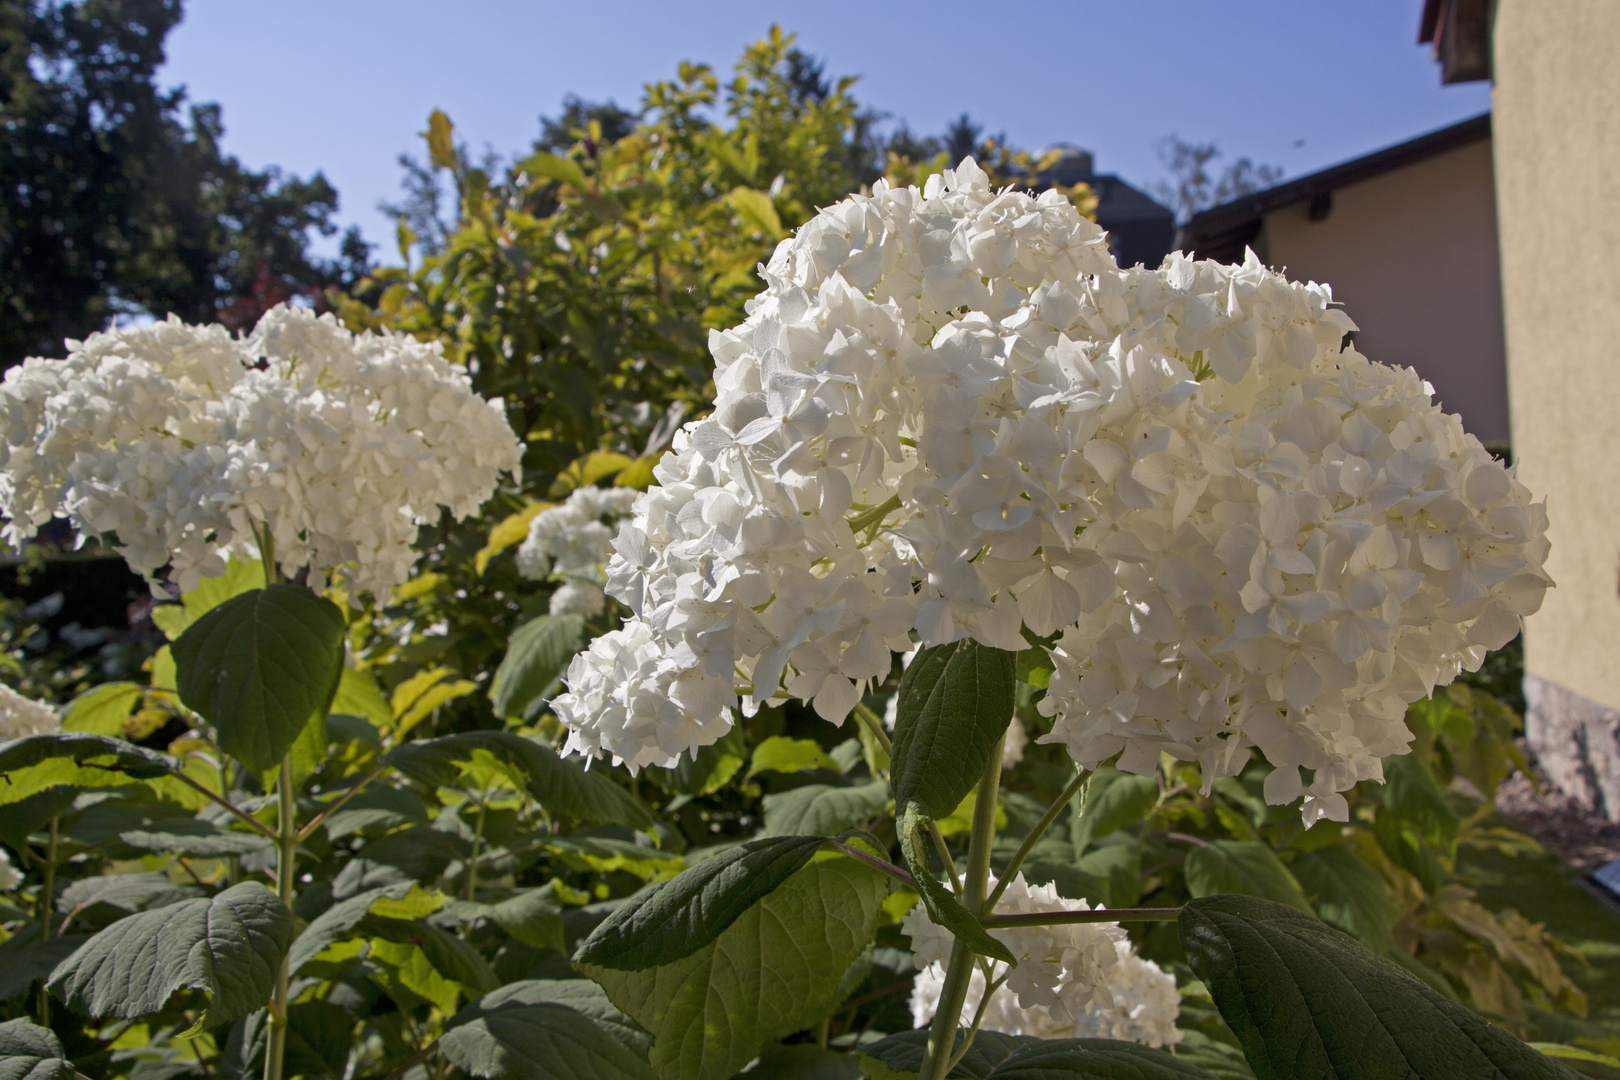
(950, 413)
(10, 878)
(1071, 980)
(21, 716)
(1144, 1009)
(573, 542)
(180, 441)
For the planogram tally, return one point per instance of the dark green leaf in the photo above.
(229, 947)
(127, 892)
(955, 703)
(1093, 1059)
(24, 958)
(804, 1061)
(1113, 800)
(30, 1052)
(708, 772)
(1406, 849)
(191, 836)
(450, 956)
(35, 763)
(1237, 866)
(259, 666)
(1310, 1003)
(823, 809)
(1347, 894)
(943, 907)
(377, 809)
(535, 658)
(545, 1030)
(902, 1055)
(336, 923)
(1410, 793)
(562, 787)
(1116, 870)
(675, 919)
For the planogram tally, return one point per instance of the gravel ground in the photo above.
(1577, 836)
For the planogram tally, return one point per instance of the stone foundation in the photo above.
(1577, 744)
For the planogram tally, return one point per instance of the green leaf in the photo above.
(536, 657)
(259, 666)
(30, 1052)
(1410, 793)
(901, 1056)
(804, 1061)
(1113, 800)
(36, 763)
(673, 920)
(194, 837)
(545, 1030)
(533, 916)
(337, 922)
(1113, 873)
(376, 810)
(229, 947)
(1093, 1059)
(757, 212)
(774, 971)
(562, 787)
(24, 958)
(553, 167)
(605, 854)
(587, 470)
(1347, 894)
(782, 754)
(714, 765)
(1238, 866)
(450, 956)
(943, 907)
(359, 695)
(103, 710)
(240, 575)
(823, 809)
(1310, 1003)
(126, 892)
(440, 137)
(955, 703)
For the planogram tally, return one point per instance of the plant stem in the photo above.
(337, 804)
(472, 861)
(945, 857)
(1060, 918)
(259, 826)
(876, 863)
(958, 972)
(874, 724)
(1034, 837)
(46, 902)
(287, 844)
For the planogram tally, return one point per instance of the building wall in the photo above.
(1412, 254)
(1557, 134)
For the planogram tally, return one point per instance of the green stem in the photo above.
(478, 839)
(259, 826)
(337, 804)
(958, 972)
(871, 518)
(287, 845)
(874, 724)
(945, 857)
(1034, 837)
(45, 908)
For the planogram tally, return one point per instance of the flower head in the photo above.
(572, 543)
(21, 716)
(182, 443)
(952, 407)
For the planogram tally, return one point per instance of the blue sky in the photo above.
(345, 85)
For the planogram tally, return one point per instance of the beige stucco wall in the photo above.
(1412, 254)
(1557, 151)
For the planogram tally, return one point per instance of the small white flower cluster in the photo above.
(10, 877)
(1012, 750)
(951, 412)
(1145, 1005)
(573, 542)
(1073, 980)
(21, 716)
(181, 440)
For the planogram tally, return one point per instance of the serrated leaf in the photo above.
(1347, 894)
(1112, 801)
(955, 703)
(194, 837)
(562, 787)
(533, 916)
(510, 530)
(944, 908)
(103, 710)
(774, 971)
(377, 810)
(450, 956)
(36, 763)
(823, 809)
(1236, 866)
(229, 947)
(30, 1052)
(259, 666)
(587, 470)
(1308, 1002)
(545, 1030)
(782, 754)
(672, 920)
(536, 657)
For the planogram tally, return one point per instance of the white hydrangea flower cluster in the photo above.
(573, 542)
(951, 412)
(1064, 970)
(10, 877)
(182, 440)
(1144, 1010)
(21, 716)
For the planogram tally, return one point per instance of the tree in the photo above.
(118, 198)
(1197, 187)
